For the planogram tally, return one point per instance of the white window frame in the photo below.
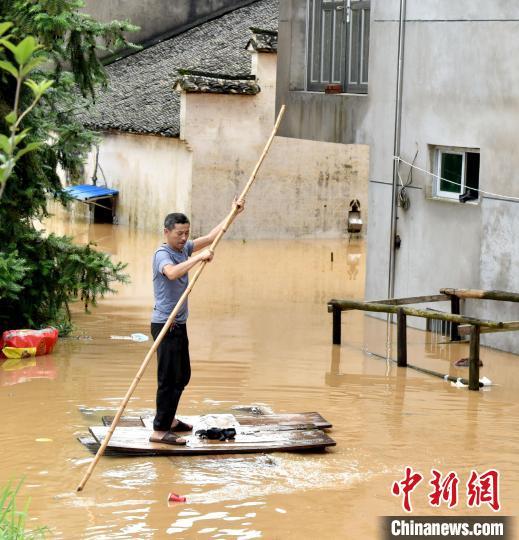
(436, 192)
(440, 151)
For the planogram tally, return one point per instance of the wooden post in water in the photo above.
(474, 358)
(401, 338)
(336, 339)
(455, 310)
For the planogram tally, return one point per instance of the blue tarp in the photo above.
(88, 192)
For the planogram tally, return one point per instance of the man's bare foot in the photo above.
(166, 437)
(179, 426)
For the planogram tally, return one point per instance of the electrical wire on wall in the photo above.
(436, 176)
(403, 198)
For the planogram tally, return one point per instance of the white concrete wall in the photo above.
(303, 187)
(152, 174)
(460, 89)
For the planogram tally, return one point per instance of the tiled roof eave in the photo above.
(214, 85)
(263, 41)
(140, 98)
(114, 128)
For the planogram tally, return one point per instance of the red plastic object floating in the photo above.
(43, 340)
(173, 497)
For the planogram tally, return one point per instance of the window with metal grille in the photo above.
(338, 44)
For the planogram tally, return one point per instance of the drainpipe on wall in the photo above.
(396, 148)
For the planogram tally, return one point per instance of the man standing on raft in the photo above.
(171, 264)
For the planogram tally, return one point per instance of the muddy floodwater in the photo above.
(260, 334)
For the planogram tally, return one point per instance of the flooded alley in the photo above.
(350, 363)
(259, 334)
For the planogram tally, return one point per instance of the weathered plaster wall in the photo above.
(152, 174)
(459, 90)
(499, 264)
(303, 187)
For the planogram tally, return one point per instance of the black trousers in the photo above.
(173, 372)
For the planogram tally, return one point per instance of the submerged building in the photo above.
(427, 84)
(185, 119)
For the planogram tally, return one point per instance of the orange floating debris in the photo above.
(174, 497)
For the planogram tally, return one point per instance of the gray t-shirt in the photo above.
(167, 292)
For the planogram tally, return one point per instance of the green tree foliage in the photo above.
(25, 60)
(40, 274)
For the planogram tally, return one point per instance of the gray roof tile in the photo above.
(263, 41)
(141, 96)
(216, 85)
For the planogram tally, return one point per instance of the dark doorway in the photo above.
(104, 210)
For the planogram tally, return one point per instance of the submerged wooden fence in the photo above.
(460, 324)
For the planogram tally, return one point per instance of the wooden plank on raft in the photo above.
(125, 421)
(313, 419)
(91, 444)
(242, 429)
(135, 441)
(285, 419)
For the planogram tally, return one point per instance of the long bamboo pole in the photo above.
(171, 318)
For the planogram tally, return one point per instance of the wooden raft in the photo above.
(242, 419)
(264, 433)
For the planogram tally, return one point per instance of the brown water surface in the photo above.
(259, 333)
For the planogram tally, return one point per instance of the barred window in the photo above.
(338, 44)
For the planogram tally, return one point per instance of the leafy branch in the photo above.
(26, 60)
(41, 274)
